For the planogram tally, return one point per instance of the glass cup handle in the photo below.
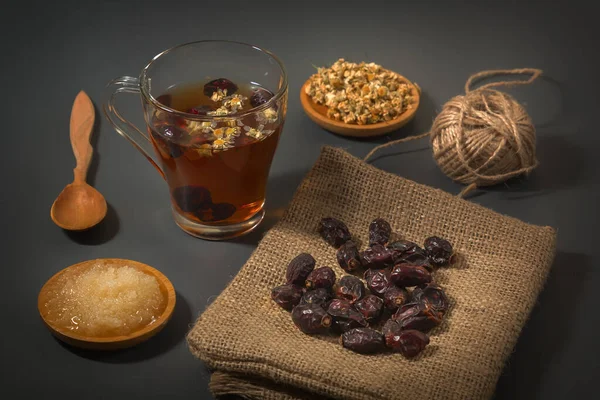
(141, 141)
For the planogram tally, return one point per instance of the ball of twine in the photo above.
(483, 137)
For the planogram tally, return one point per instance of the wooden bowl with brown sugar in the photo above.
(106, 304)
(318, 114)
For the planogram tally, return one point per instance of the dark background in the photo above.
(52, 50)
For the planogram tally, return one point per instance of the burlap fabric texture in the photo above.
(256, 352)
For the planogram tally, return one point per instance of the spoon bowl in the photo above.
(111, 342)
(78, 207)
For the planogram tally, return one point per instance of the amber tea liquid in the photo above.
(216, 170)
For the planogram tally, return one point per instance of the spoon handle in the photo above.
(82, 123)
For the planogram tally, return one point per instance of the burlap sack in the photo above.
(257, 352)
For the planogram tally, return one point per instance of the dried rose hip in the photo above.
(311, 318)
(345, 316)
(299, 268)
(370, 307)
(416, 259)
(167, 135)
(420, 316)
(434, 295)
(403, 246)
(348, 256)
(379, 231)
(376, 256)
(439, 250)
(377, 280)
(404, 249)
(260, 96)
(287, 296)
(412, 342)
(350, 288)
(165, 99)
(405, 275)
(200, 110)
(407, 342)
(323, 277)
(363, 340)
(391, 331)
(192, 198)
(334, 231)
(394, 297)
(319, 296)
(216, 212)
(221, 83)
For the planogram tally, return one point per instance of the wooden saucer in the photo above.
(318, 113)
(114, 342)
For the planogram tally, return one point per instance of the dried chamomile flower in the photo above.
(232, 123)
(268, 116)
(222, 143)
(160, 115)
(218, 95)
(363, 93)
(204, 150)
(234, 103)
(258, 133)
(219, 112)
(197, 127)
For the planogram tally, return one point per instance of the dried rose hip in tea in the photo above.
(370, 307)
(167, 135)
(345, 316)
(299, 268)
(287, 296)
(350, 288)
(376, 256)
(363, 340)
(200, 110)
(379, 231)
(221, 83)
(434, 295)
(348, 256)
(165, 99)
(323, 277)
(311, 318)
(419, 316)
(439, 250)
(319, 296)
(377, 280)
(334, 231)
(216, 212)
(192, 198)
(394, 297)
(260, 96)
(405, 275)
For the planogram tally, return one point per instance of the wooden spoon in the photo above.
(79, 206)
(48, 292)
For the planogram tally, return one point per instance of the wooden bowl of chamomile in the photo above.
(318, 114)
(107, 342)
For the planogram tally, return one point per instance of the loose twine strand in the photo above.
(513, 126)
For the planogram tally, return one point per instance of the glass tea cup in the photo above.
(214, 112)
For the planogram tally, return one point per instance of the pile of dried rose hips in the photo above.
(319, 304)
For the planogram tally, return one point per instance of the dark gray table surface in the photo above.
(52, 50)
